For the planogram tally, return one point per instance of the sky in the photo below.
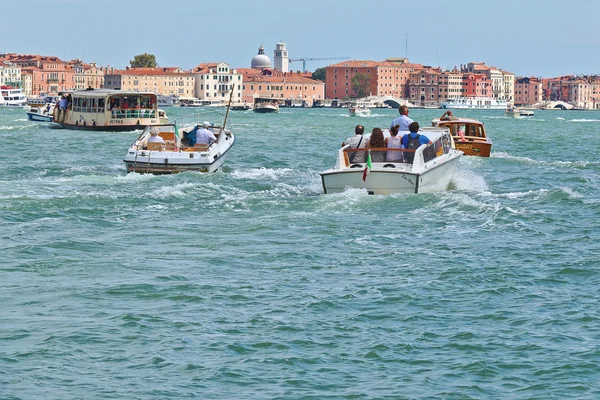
(527, 37)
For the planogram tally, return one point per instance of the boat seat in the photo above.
(201, 147)
(167, 136)
(154, 146)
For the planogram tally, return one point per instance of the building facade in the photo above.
(214, 81)
(424, 87)
(284, 87)
(10, 74)
(165, 81)
(528, 91)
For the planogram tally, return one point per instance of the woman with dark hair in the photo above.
(377, 142)
(394, 142)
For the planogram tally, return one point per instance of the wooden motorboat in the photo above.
(469, 136)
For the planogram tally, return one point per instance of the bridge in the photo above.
(393, 102)
(553, 105)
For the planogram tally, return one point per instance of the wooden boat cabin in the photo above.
(469, 136)
(109, 110)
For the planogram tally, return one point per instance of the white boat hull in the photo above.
(36, 117)
(388, 181)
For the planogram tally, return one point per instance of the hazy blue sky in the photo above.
(539, 38)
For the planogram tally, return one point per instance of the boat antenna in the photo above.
(228, 106)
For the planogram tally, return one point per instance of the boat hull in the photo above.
(473, 148)
(266, 110)
(389, 181)
(35, 117)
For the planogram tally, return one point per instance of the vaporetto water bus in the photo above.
(109, 110)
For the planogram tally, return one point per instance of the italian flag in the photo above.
(367, 166)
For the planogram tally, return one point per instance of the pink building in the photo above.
(281, 86)
(49, 74)
(528, 91)
(386, 78)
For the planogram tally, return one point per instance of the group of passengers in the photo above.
(394, 142)
(119, 105)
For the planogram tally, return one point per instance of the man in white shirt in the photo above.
(402, 120)
(204, 135)
(357, 141)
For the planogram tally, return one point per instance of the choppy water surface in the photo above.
(250, 283)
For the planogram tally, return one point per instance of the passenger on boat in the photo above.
(357, 142)
(402, 120)
(205, 136)
(154, 137)
(448, 116)
(377, 142)
(413, 140)
(394, 142)
(62, 108)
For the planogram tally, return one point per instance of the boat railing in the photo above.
(133, 113)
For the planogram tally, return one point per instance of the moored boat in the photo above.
(468, 135)
(476, 103)
(12, 97)
(428, 168)
(109, 110)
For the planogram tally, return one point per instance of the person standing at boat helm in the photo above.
(204, 135)
(357, 142)
(402, 120)
(448, 116)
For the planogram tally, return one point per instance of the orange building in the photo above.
(424, 86)
(528, 91)
(386, 78)
(165, 81)
(47, 74)
(286, 87)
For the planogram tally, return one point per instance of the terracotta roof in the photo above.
(358, 63)
(150, 71)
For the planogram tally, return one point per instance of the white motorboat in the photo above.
(476, 103)
(517, 112)
(176, 155)
(41, 113)
(431, 169)
(266, 107)
(167, 101)
(12, 97)
(360, 111)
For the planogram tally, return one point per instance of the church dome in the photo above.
(261, 60)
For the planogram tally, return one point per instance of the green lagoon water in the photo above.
(249, 283)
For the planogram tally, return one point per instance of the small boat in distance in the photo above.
(360, 111)
(429, 168)
(240, 107)
(514, 112)
(476, 103)
(167, 101)
(469, 135)
(109, 110)
(262, 106)
(12, 97)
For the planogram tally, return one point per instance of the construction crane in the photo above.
(305, 59)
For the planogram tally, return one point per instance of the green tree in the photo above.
(319, 74)
(361, 84)
(143, 61)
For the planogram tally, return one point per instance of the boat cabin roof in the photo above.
(107, 92)
(459, 121)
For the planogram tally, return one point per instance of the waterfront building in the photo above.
(166, 80)
(295, 88)
(281, 60)
(386, 78)
(10, 74)
(450, 85)
(213, 81)
(580, 94)
(424, 87)
(501, 83)
(49, 74)
(528, 91)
